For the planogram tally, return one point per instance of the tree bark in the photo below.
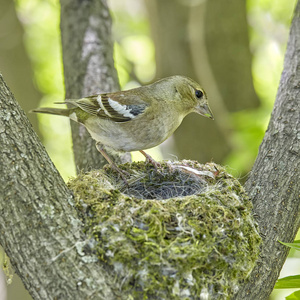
(40, 229)
(88, 68)
(273, 184)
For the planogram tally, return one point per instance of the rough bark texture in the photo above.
(88, 67)
(201, 41)
(16, 67)
(274, 181)
(41, 235)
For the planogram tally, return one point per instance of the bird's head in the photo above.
(193, 96)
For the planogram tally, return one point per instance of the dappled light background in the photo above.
(135, 60)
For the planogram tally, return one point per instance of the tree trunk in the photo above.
(88, 68)
(40, 229)
(273, 183)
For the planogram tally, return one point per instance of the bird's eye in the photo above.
(199, 94)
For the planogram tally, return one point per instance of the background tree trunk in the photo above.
(203, 41)
(228, 51)
(88, 68)
(273, 184)
(14, 62)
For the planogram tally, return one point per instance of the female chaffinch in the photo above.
(139, 118)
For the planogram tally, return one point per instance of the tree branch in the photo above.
(41, 235)
(273, 184)
(88, 67)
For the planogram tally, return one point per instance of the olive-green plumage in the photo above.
(139, 118)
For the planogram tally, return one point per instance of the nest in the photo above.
(184, 231)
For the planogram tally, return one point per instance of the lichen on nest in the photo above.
(184, 231)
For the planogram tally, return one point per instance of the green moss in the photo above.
(174, 233)
(5, 265)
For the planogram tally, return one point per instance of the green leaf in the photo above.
(294, 296)
(290, 282)
(294, 245)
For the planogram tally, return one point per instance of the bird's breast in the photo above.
(134, 135)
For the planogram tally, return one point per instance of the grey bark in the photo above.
(88, 68)
(40, 229)
(273, 184)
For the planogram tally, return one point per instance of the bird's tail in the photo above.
(53, 111)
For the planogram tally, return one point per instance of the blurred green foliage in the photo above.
(269, 22)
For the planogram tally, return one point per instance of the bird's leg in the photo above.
(151, 160)
(104, 154)
(112, 164)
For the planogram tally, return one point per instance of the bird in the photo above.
(139, 118)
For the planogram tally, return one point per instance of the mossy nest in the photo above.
(184, 231)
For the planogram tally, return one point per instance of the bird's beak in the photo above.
(205, 111)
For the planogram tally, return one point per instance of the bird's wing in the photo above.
(117, 107)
